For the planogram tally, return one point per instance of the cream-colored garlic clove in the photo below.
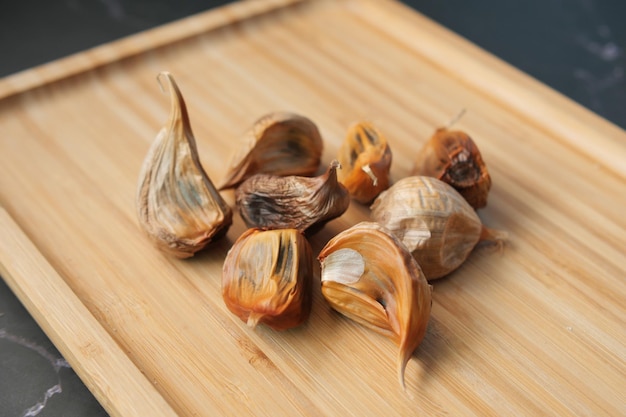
(433, 221)
(365, 157)
(369, 276)
(267, 278)
(279, 143)
(177, 205)
(303, 203)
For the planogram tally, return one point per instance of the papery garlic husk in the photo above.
(369, 276)
(453, 157)
(295, 202)
(177, 205)
(267, 278)
(279, 143)
(365, 158)
(434, 222)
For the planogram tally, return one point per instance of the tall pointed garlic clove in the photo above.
(279, 143)
(369, 276)
(267, 278)
(453, 157)
(365, 157)
(434, 222)
(177, 205)
(303, 203)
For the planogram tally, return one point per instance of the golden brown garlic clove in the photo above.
(433, 221)
(369, 276)
(292, 202)
(177, 204)
(365, 158)
(267, 278)
(453, 157)
(279, 143)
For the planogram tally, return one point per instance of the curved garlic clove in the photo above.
(434, 222)
(177, 205)
(453, 157)
(295, 202)
(267, 278)
(365, 157)
(369, 276)
(279, 143)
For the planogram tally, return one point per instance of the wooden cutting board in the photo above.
(536, 329)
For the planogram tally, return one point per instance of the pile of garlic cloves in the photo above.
(377, 272)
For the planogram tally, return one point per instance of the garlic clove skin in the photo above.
(365, 157)
(177, 205)
(433, 220)
(303, 203)
(369, 276)
(453, 157)
(279, 143)
(267, 278)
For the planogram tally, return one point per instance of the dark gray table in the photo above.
(578, 47)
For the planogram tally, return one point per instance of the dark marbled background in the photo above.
(577, 47)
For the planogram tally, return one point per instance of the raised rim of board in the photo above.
(141, 42)
(102, 365)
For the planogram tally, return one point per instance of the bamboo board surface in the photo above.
(537, 329)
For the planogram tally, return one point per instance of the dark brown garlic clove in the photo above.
(365, 158)
(453, 157)
(267, 278)
(177, 205)
(293, 202)
(280, 143)
(369, 276)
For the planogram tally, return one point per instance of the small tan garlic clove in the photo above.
(303, 203)
(453, 157)
(279, 143)
(434, 222)
(267, 278)
(369, 276)
(365, 157)
(177, 205)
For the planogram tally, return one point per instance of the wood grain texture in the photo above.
(95, 356)
(537, 329)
